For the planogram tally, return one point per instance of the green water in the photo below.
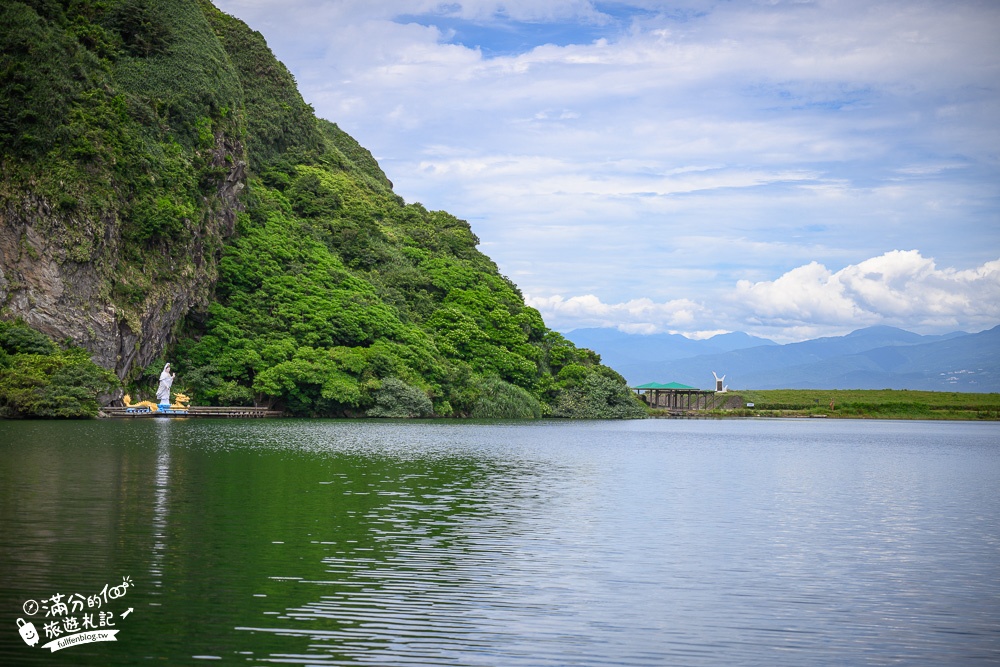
(551, 543)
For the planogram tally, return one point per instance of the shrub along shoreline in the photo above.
(860, 404)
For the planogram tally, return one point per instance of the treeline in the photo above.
(40, 379)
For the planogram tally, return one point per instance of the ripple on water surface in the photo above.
(595, 543)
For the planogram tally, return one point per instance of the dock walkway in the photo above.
(197, 411)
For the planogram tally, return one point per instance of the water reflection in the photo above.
(161, 496)
(424, 580)
(518, 544)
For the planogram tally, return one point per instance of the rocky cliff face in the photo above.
(121, 164)
(41, 282)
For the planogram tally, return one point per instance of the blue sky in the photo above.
(787, 168)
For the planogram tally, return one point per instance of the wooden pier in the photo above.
(195, 411)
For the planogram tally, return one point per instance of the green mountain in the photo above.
(166, 193)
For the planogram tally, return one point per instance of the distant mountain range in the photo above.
(874, 358)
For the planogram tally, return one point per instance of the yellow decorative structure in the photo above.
(181, 402)
(152, 407)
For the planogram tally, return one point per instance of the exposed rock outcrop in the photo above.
(69, 300)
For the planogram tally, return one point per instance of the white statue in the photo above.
(166, 380)
(719, 389)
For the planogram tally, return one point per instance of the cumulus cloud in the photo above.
(900, 288)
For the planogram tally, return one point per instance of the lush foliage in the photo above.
(37, 379)
(501, 400)
(598, 396)
(398, 399)
(116, 121)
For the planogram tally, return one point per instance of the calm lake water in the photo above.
(656, 542)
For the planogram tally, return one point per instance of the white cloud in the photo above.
(901, 288)
(804, 294)
(643, 315)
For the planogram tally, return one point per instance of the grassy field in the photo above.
(869, 404)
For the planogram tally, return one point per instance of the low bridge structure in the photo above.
(677, 397)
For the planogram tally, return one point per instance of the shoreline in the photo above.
(897, 404)
(767, 414)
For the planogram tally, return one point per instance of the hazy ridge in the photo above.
(877, 357)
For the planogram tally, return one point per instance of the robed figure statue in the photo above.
(166, 380)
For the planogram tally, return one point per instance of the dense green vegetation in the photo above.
(870, 404)
(40, 379)
(333, 287)
(333, 296)
(117, 112)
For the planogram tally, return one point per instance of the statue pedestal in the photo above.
(165, 409)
